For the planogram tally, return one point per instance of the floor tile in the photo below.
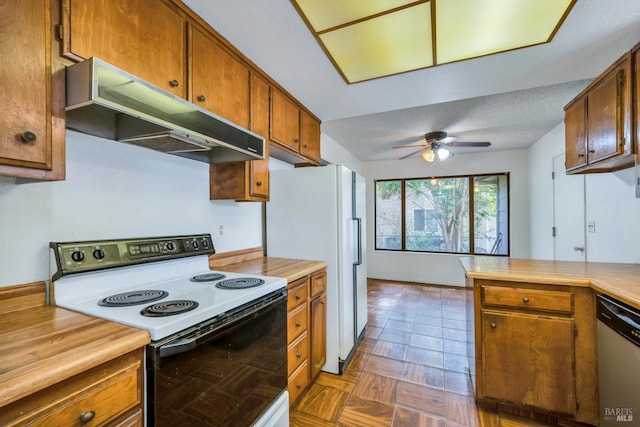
(390, 349)
(426, 341)
(457, 382)
(360, 412)
(405, 417)
(460, 409)
(322, 402)
(395, 336)
(399, 325)
(424, 357)
(383, 366)
(424, 375)
(376, 387)
(434, 331)
(421, 398)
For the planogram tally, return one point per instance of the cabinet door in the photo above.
(285, 121)
(220, 82)
(259, 185)
(25, 73)
(318, 330)
(146, 39)
(636, 100)
(309, 136)
(605, 124)
(575, 125)
(529, 360)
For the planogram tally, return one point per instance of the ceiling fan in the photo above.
(436, 143)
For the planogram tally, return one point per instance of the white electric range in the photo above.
(215, 318)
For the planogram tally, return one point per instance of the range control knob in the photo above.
(77, 256)
(205, 243)
(98, 253)
(170, 246)
(194, 243)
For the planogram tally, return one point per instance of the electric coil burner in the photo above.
(240, 283)
(169, 308)
(132, 298)
(208, 277)
(212, 333)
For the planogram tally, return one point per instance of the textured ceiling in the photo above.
(510, 99)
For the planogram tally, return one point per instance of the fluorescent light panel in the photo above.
(367, 39)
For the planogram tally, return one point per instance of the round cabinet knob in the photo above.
(87, 417)
(493, 325)
(298, 324)
(77, 256)
(298, 385)
(98, 253)
(298, 297)
(28, 136)
(202, 98)
(174, 83)
(298, 355)
(259, 183)
(525, 299)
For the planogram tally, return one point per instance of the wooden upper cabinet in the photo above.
(31, 136)
(285, 121)
(575, 126)
(246, 181)
(598, 123)
(635, 60)
(309, 136)
(294, 132)
(144, 38)
(260, 90)
(220, 82)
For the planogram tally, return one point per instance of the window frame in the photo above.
(471, 225)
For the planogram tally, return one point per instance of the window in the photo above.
(460, 214)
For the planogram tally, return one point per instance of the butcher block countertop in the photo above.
(42, 345)
(621, 281)
(251, 261)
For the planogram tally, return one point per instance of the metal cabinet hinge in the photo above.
(59, 32)
(577, 405)
(553, 175)
(553, 232)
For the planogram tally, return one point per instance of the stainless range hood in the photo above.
(105, 101)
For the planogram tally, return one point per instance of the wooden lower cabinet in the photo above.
(108, 395)
(535, 349)
(306, 331)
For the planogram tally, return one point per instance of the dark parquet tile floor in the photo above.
(409, 370)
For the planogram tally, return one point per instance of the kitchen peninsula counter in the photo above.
(43, 345)
(620, 281)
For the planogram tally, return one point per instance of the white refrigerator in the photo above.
(318, 213)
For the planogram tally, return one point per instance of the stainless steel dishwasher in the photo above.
(619, 363)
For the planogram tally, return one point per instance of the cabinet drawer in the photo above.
(108, 392)
(297, 322)
(318, 283)
(298, 382)
(534, 299)
(297, 352)
(298, 292)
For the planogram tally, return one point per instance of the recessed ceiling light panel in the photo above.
(375, 47)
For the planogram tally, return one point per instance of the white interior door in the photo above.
(569, 243)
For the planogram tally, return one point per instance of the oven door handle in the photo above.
(177, 347)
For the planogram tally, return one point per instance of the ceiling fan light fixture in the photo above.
(429, 155)
(443, 154)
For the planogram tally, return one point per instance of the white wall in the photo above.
(114, 190)
(335, 154)
(610, 202)
(445, 268)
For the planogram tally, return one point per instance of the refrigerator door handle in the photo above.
(358, 237)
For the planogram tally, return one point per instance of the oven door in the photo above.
(224, 372)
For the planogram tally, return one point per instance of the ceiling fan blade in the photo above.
(411, 146)
(468, 144)
(412, 154)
